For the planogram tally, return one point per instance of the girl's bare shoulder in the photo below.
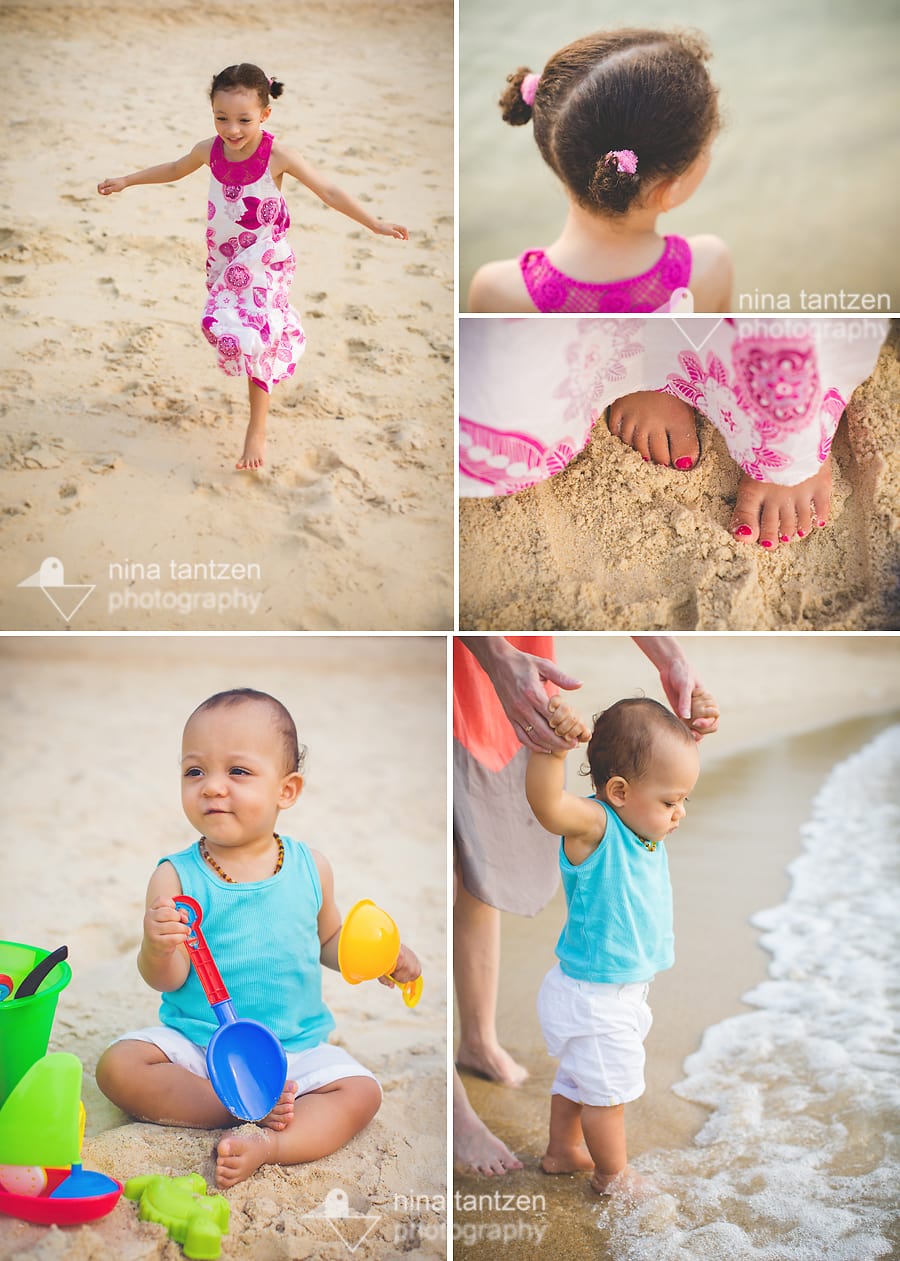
(712, 273)
(498, 287)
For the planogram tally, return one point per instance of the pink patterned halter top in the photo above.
(552, 291)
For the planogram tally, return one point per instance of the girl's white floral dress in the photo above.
(249, 269)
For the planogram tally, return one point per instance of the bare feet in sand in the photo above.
(477, 1150)
(241, 1152)
(283, 1112)
(492, 1063)
(567, 1160)
(254, 453)
(627, 1184)
(662, 429)
(769, 515)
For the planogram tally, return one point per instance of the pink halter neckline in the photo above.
(552, 291)
(248, 170)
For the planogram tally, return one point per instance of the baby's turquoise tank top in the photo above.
(619, 926)
(264, 939)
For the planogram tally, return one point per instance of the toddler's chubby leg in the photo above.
(768, 514)
(566, 1150)
(254, 454)
(604, 1131)
(659, 427)
(322, 1121)
(142, 1081)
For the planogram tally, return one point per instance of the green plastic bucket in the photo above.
(25, 1023)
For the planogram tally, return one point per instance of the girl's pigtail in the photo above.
(612, 187)
(516, 111)
(276, 87)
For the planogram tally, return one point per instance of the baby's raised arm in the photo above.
(165, 173)
(558, 811)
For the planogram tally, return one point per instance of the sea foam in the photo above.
(799, 1159)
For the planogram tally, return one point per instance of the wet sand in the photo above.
(787, 704)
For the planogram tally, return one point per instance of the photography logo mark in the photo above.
(698, 327)
(66, 597)
(350, 1228)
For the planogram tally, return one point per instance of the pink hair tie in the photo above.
(271, 81)
(626, 161)
(529, 88)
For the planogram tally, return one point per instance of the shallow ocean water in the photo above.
(799, 1159)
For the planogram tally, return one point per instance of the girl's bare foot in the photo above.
(254, 453)
(241, 1152)
(659, 427)
(491, 1062)
(770, 514)
(283, 1112)
(567, 1160)
(627, 1184)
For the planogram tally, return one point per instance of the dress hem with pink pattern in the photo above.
(531, 390)
(248, 317)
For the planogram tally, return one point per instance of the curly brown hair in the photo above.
(623, 739)
(247, 76)
(644, 90)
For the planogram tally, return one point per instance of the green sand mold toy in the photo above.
(193, 1219)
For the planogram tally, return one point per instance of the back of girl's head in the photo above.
(248, 77)
(643, 91)
(624, 738)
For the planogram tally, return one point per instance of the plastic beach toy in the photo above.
(25, 1023)
(194, 1219)
(368, 948)
(246, 1062)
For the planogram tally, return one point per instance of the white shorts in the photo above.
(311, 1069)
(597, 1032)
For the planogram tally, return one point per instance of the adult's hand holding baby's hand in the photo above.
(566, 723)
(704, 717)
(165, 927)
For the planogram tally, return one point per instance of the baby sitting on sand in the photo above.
(270, 920)
(618, 931)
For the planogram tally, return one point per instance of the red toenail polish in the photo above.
(801, 534)
(646, 459)
(821, 525)
(684, 462)
(743, 531)
(785, 538)
(766, 543)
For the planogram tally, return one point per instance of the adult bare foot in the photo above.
(662, 429)
(283, 1112)
(241, 1152)
(254, 453)
(567, 1160)
(477, 1150)
(770, 514)
(492, 1063)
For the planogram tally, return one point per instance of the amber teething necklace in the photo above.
(650, 845)
(205, 854)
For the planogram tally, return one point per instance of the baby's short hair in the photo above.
(294, 752)
(622, 742)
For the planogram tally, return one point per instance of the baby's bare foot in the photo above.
(491, 1062)
(770, 514)
(254, 453)
(659, 427)
(567, 1160)
(241, 1152)
(627, 1184)
(283, 1112)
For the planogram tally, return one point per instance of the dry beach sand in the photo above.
(791, 707)
(119, 434)
(614, 544)
(93, 801)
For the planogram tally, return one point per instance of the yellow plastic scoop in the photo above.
(368, 948)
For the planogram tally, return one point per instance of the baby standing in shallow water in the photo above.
(618, 930)
(271, 922)
(625, 119)
(250, 264)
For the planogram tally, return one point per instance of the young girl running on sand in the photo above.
(618, 930)
(626, 120)
(250, 264)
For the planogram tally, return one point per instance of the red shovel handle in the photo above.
(207, 972)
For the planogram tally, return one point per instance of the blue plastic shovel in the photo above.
(246, 1063)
